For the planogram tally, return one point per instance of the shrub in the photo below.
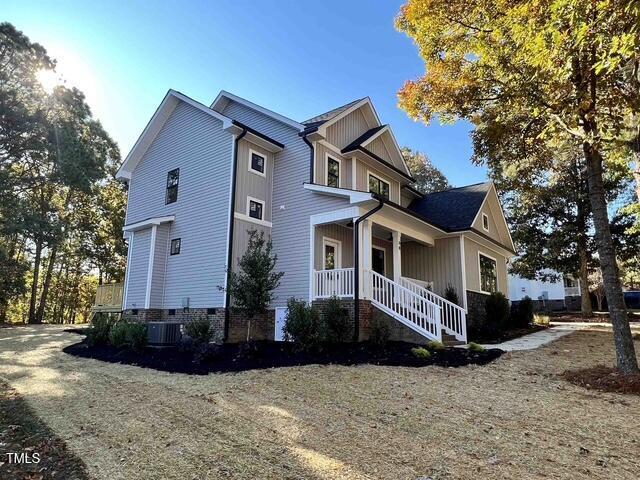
(474, 347)
(336, 321)
(128, 335)
(451, 294)
(199, 330)
(118, 334)
(379, 333)
(435, 345)
(303, 325)
(497, 310)
(539, 319)
(522, 313)
(98, 332)
(420, 352)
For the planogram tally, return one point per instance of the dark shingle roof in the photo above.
(315, 122)
(453, 209)
(362, 138)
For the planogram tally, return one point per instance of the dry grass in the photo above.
(514, 418)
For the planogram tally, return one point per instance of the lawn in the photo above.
(513, 418)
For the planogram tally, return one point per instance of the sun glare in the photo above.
(48, 79)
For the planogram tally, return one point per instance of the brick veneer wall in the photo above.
(573, 303)
(365, 312)
(476, 312)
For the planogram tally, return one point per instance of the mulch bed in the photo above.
(509, 334)
(22, 432)
(260, 355)
(604, 379)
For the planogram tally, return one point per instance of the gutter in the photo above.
(356, 263)
(232, 208)
(311, 156)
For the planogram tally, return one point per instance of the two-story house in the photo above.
(335, 196)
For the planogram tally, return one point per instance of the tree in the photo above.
(596, 286)
(251, 286)
(562, 63)
(428, 177)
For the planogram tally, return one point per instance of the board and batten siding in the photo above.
(362, 180)
(347, 129)
(292, 204)
(472, 266)
(195, 143)
(139, 243)
(321, 152)
(241, 230)
(440, 264)
(498, 229)
(252, 184)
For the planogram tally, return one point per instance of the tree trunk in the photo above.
(34, 283)
(46, 284)
(636, 175)
(585, 298)
(625, 351)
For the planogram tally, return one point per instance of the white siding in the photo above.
(159, 266)
(138, 268)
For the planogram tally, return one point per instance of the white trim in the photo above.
(379, 177)
(384, 263)
(247, 218)
(335, 215)
(312, 257)
(152, 252)
(337, 246)
(396, 254)
(374, 136)
(330, 146)
(354, 173)
(257, 172)
(480, 273)
(484, 215)
(248, 209)
(365, 101)
(470, 235)
(504, 219)
(463, 262)
(327, 156)
(149, 222)
(166, 263)
(127, 271)
(352, 195)
(269, 113)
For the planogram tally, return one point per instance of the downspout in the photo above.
(311, 158)
(232, 208)
(356, 270)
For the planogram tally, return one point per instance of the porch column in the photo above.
(365, 257)
(397, 260)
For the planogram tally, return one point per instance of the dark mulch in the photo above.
(79, 331)
(22, 432)
(605, 379)
(260, 355)
(506, 335)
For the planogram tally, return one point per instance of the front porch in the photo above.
(409, 289)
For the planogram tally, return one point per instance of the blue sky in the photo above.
(299, 59)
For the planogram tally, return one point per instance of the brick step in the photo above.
(450, 340)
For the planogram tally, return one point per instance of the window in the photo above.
(172, 312)
(175, 246)
(173, 179)
(255, 209)
(485, 222)
(378, 186)
(488, 274)
(257, 163)
(332, 254)
(333, 172)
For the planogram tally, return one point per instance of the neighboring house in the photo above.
(336, 197)
(561, 294)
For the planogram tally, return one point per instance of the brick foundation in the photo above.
(573, 303)
(348, 304)
(476, 311)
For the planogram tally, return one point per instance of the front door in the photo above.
(377, 260)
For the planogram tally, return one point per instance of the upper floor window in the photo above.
(255, 208)
(488, 274)
(485, 221)
(378, 186)
(257, 163)
(333, 172)
(175, 246)
(173, 179)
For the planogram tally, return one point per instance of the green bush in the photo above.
(474, 347)
(199, 330)
(379, 333)
(421, 352)
(435, 345)
(497, 310)
(336, 321)
(303, 325)
(101, 325)
(522, 313)
(451, 294)
(128, 335)
(118, 334)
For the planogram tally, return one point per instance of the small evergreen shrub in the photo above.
(421, 352)
(199, 330)
(379, 333)
(451, 294)
(497, 310)
(336, 321)
(303, 325)
(98, 332)
(128, 335)
(118, 334)
(522, 313)
(474, 347)
(435, 345)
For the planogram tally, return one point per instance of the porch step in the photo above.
(450, 340)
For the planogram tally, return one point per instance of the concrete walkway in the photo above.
(538, 339)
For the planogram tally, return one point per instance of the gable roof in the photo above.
(362, 139)
(315, 122)
(454, 209)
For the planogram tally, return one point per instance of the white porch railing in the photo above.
(453, 318)
(409, 308)
(338, 282)
(571, 291)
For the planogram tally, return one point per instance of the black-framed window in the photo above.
(257, 162)
(333, 172)
(176, 243)
(485, 221)
(378, 186)
(255, 209)
(173, 179)
(488, 274)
